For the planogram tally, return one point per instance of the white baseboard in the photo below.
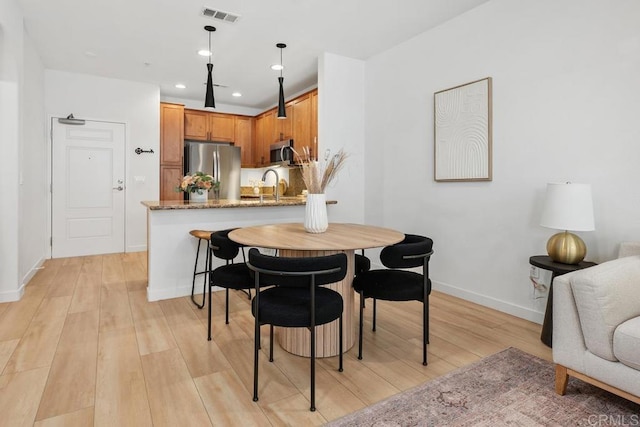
(504, 306)
(136, 248)
(496, 304)
(11, 296)
(32, 271)
(16, 295)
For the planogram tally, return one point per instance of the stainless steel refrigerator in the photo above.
(222, 161)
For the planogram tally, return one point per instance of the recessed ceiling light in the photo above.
(204, 52)
(236, 94)
(180, 86)
(277, 67)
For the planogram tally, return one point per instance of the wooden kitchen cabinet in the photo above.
(222, 127)
(284, 127)
(244, 139)
(171, 133)
(171, 149)
(265, 130)
(170, 178)
(196, 125)
(205, 126)
(254, 135)
(301, 114)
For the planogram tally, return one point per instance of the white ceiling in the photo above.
(156, 41)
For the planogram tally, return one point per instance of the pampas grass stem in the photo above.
(317, 176)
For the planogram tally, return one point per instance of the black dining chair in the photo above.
(362, 263)
(232, 275)
(297, 300)
(395, 284)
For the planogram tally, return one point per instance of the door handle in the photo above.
(119, 188)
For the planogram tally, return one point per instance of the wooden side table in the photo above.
(557, 269)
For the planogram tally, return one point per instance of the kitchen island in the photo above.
(172, 250)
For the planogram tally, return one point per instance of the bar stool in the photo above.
(201, 235)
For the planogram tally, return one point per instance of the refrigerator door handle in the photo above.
(216, 166)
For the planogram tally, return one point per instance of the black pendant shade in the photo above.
(209, 99)
(282, 112)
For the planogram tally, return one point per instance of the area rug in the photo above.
(510, 388)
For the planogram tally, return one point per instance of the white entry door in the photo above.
(88, 188)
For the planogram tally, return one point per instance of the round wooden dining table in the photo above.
(291, 240)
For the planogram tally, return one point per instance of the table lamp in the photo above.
(567, 207)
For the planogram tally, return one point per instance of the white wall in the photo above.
(10, 69)
(32, 176)
(566, 102)
(135, 104)
(22, 171)
(341, 125)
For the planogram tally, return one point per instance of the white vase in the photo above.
(315, 214)
(198, 197)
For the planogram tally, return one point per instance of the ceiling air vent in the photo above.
(220, 15)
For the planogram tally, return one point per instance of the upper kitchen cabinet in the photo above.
(264, 136)
(196, 125)
(171, 149)
(222, 127)
(284, 127)
(244, 139)
(205, 126)
(301, 114)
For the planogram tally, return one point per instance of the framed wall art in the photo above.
(462, 132)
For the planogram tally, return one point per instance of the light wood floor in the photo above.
(84, 347)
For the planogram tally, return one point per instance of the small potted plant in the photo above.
(198, 185)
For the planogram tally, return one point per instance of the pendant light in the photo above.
(209, 100)
(282, 112)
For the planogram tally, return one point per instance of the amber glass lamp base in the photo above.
(566, 248)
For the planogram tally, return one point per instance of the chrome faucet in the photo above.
(264, 177)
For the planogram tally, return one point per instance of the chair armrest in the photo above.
(568, 341)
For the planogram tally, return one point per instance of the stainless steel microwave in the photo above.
(281, 153)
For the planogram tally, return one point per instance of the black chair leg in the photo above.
(425, 330)
(313, 369)
(340, 345)
(226, 306)
(209, 323)
(360, 327)
(374, 315)
(256, 347)
(270, 343)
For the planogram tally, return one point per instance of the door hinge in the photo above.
(51, 241)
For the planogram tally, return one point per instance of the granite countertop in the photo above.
(224, 203)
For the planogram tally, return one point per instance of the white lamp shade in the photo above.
(569, 207)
